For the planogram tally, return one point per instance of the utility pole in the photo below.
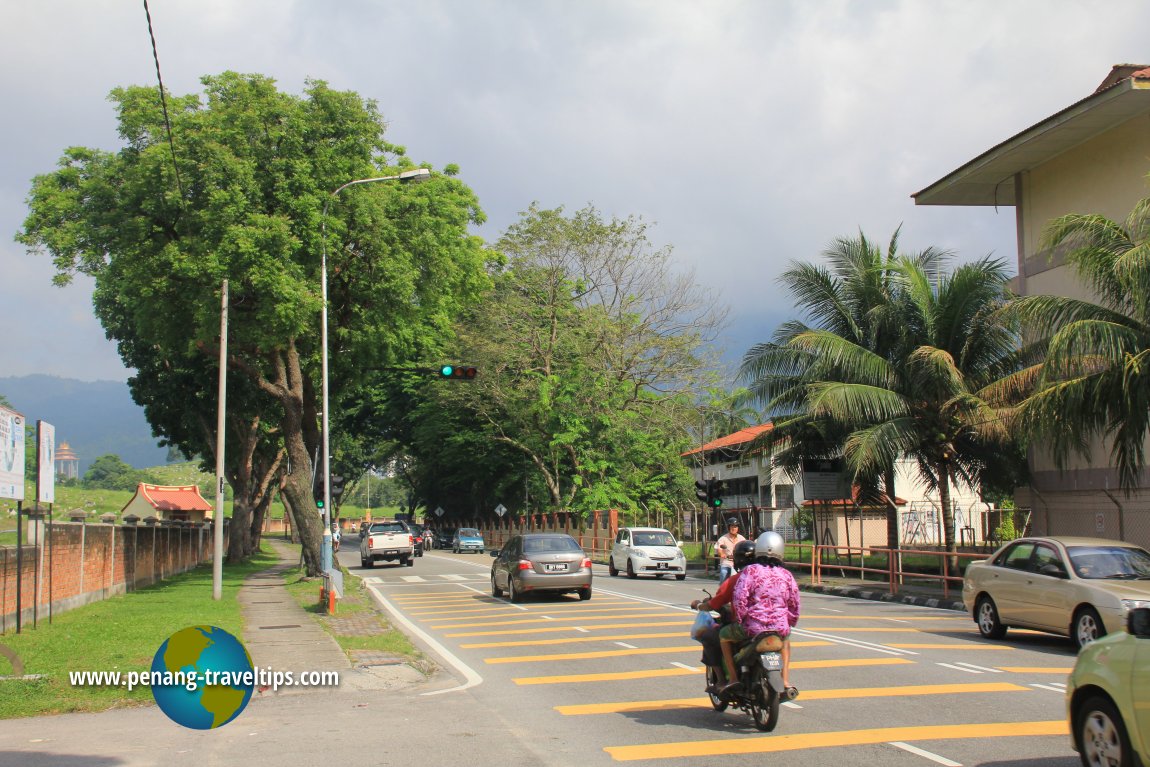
(218, 522)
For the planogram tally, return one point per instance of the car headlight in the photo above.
(1134, 604)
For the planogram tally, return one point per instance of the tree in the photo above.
(917, 379)
(109, 472)
(854, 298)
(242, 200)
(1095, 380)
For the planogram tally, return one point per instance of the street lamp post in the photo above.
(414, 175)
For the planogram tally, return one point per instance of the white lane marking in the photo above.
(959, 668)
(468, 673)
(547, 617)
(685, 666)
(791, 704)
(926, 754)
(895, 620)
(585, 631)
(1050, 687)
(1059, 685)
(628, 646)
(497, 599)
(453, 577)
(413, 578)
(980, 668)
(372, 579)
(830, 609)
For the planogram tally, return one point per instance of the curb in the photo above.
(855, 592)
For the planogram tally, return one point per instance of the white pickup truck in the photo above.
(388, 541)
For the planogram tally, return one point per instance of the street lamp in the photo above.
(415, 175)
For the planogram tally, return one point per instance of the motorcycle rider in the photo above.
(725, 549)
(766, 598)
(712, 654)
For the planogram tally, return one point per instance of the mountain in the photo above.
(95, 418)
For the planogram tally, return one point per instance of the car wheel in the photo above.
(513, 594)
(986, 616)
(1102, 735)
(585, 594)
(611, 569)
(495, 590)
(1087, 627)
(369, 562)
(362, 561)
(681, 577)
(631, 570)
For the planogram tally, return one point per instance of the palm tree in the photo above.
(917, 384)
(1095, 380)
(851, 298)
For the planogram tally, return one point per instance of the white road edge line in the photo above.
(473, 679)
(1047, 687)
(792, 704)
(925, 754)
(685, 666)
(628, 646)
(959, 668)
(980, 668)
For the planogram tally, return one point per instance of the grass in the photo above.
(356, 600)
(118, 634)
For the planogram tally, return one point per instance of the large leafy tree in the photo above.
(1095, 380)
(916, 380)
(242, 200)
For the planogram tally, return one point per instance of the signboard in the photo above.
(439, 511)
(825, 480)
(501, 509)
(45, 463)
(11, 454)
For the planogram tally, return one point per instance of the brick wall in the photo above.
(75, 563)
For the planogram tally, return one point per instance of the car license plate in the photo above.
(772, 661)
(550, 568)
(662, 565)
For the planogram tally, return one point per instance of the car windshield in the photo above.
(468, 532)
(388, 527)
(1114, 562)
(549, 544)
(658, 538)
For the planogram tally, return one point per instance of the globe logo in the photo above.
(202, 677)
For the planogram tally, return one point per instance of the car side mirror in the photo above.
(1052, 570)
(493, 553)
(1138, 622)
(679, 544)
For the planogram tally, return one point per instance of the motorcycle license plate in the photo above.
(772, 661)
(554, 568)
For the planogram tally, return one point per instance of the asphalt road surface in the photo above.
(618, 678)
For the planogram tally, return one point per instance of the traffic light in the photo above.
(337, 483)
(318, 491)
(709, 491)
(458, 372)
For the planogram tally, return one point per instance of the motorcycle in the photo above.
(760, 691)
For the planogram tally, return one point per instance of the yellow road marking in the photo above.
(1036, 670)
(807, 695)
(776, 743)
(520, 621)
(616, 653)
(656, 673)
(570, 640)
(951, 646)
(552, 629)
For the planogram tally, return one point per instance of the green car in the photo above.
(1108, 696)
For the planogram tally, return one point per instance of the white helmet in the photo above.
(770, 545)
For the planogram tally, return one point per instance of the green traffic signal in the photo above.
(458, 373)
(446, 371)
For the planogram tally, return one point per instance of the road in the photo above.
(618, 678)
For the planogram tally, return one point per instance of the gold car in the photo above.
(1082, 588)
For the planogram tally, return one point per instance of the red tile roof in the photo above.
(854, 501)
(173, 498)
(742, 436)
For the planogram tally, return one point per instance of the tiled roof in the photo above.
(173, 498)
(854, 501)
(742, 436)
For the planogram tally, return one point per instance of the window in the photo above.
(1017, 557)
(657, 538)
(1044, 556)
(784, 496)
(550, 544)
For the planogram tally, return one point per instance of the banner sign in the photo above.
(46, 463)
(11, 454)
(825, 480)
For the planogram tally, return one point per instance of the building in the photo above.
(182, 503)
(766, 497)
(1091, 157)
(67, 462)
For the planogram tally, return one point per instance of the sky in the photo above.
(750, 134)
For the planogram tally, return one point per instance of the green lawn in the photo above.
(117, 634)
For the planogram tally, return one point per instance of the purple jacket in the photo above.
(766, 599)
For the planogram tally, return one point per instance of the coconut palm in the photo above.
(1095, 381)
(915, 382)
(852, 298)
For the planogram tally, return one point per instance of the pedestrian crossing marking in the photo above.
(952, 646)
(447, 577)
(840, 694)
(569, 640)
(525, 620)
(657, 673)
(777, 743)
(1037, 670)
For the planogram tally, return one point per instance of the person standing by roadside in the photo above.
(725, 548)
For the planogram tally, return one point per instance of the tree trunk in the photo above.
(947, 520)
(892, 537)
